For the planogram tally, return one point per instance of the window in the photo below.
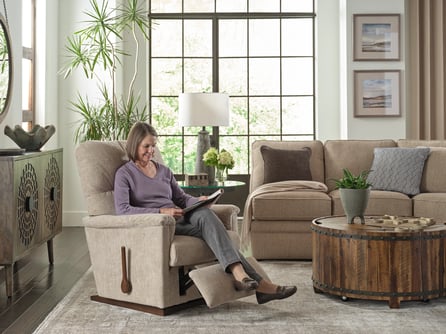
(28, 62)
(259, 52)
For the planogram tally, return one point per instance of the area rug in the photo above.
(306, 312)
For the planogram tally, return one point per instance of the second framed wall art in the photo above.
(377, 93)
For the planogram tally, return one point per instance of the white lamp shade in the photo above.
(203, 109)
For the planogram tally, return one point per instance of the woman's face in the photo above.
(146, 149)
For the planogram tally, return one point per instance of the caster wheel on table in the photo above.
(316, 290)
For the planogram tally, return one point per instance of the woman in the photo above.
(145, 186)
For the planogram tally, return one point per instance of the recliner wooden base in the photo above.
(147, 308)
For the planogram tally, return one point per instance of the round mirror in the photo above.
(5, 68)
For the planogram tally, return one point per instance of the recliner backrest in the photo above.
(97, 162)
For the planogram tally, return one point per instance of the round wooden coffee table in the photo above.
(372, 261)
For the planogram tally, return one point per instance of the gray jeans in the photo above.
(203, 223)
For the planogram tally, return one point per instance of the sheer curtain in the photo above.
(426, 69)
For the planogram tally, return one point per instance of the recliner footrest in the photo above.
(217, 287)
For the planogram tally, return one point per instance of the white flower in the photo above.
(225, 160)
(222, 160)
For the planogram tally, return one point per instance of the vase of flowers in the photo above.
(221, 175)
(222, 161)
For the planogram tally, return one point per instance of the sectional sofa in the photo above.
(277, 223)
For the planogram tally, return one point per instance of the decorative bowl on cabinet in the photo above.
(33, 140)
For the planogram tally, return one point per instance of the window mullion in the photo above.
(261, 92)
(215, 137)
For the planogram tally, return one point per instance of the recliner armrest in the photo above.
(227, 214)
(128, 221)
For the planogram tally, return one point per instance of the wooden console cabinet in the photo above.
(30, 205)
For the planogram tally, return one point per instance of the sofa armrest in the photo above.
(228, 214)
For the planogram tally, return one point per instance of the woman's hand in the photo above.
(203, 198)
(175, 212)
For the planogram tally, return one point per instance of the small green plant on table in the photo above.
(351, 181)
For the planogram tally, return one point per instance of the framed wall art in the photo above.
(376, 37)
(377, 93)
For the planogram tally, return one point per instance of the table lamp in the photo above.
(203, 109)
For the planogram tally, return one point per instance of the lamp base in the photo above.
(203, 144)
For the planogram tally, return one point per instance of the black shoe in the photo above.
(282, 292)
(246, 284)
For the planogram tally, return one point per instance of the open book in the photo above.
(212, 198)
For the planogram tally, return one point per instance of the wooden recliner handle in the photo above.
(126, 286)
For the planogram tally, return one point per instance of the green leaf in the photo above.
(350, 181)
(97, 47)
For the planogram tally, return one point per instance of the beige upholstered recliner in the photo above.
(156, 262)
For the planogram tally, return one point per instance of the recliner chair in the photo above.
(137, 260)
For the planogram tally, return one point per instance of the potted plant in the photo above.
(97, 50)
(354, 191)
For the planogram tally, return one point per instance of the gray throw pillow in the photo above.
(283, 165)
(398, 169)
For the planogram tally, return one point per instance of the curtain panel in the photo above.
(426, 51)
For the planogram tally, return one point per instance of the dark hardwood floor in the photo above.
(39, 286)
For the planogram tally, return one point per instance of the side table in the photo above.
(365, 261)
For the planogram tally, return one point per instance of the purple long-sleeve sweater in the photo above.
(135, 192)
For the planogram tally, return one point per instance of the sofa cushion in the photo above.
(283, 165)
(380, 203)
(398, 169)
(187, 250)
(281, 243)
(291, 205)
(287, 227)
(356, 155)
(217, 287)
(316, 159)
(430, 205)
(434, 175)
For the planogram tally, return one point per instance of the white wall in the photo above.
(328, 122)
(335, 68)
(379, 127)
(47, 64)
(70, 15)
(334, 76)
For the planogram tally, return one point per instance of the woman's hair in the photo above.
(138, 132)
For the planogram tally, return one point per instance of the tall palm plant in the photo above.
(97, 49)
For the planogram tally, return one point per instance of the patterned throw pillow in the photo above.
(284, 165)
(398, 169)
